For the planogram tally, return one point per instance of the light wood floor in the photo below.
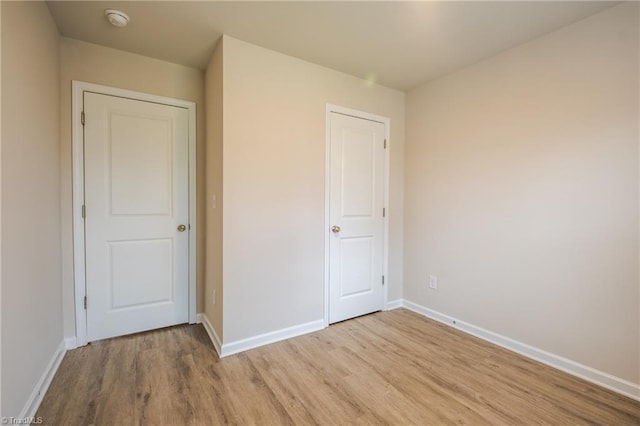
(387, 368)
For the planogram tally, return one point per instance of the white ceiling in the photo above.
(396, 44)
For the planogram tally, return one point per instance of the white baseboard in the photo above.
(31, 407)
(259, 340)
(70, 343)
(394, 304)
(616, 384)
(271, 337)
(204, 320)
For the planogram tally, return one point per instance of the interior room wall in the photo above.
(273, 184)
(521, 193)
(0, 210)
(111, 67)
(31, 305)
(214, 298)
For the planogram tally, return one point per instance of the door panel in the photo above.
(141, 273)
(357, 257)
(356, 202)
(358, 168)
(136, 195)
(140, 172)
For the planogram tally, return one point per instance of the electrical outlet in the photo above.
(433, 282)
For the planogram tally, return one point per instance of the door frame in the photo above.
(77, 141)
(327, 198)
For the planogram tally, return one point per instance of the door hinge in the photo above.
(82, 118)
(84, 211)
(85, 303)
(385, 141)
(383, 280)
(384, 212)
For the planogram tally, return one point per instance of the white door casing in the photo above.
(356, 222)
(138, 188)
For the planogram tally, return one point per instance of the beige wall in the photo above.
(0, 208)
(213, 200)
(31, 304)
(273, 184)
(521, 193)
(110, 67)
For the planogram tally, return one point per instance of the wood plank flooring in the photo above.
(391, 367)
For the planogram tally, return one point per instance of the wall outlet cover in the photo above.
(433, 282)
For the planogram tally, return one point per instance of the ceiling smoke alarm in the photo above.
(117, 17)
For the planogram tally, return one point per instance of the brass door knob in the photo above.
(182, 228)
(335, 229)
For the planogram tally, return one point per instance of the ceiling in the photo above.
(396, 44)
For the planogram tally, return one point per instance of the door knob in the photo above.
(182, 228)
(335, 229)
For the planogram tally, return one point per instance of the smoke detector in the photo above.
(117, 17)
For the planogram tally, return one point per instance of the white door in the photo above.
(356, 243)
(137, 202)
